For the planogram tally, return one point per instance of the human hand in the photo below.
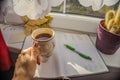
(26, 63)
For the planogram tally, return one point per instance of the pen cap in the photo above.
(69, 47)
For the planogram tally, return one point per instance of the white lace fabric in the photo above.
(34, 8)
(97, 4)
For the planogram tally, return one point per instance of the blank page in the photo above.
(74, 64)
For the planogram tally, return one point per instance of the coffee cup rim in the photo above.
(52, 36)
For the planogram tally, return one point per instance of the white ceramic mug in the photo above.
(45, 39)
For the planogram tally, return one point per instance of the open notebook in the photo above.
(65, 63)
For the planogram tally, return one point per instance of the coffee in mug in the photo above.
(43, 36)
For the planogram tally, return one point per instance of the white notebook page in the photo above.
(76, 65)
(64, 62)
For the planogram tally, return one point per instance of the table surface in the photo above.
(112, 61)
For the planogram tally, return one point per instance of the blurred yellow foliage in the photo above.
(112, 21)
(31, 25)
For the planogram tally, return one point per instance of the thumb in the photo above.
(35, 44)
(36, 48)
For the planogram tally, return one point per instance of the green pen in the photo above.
(79, 53)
